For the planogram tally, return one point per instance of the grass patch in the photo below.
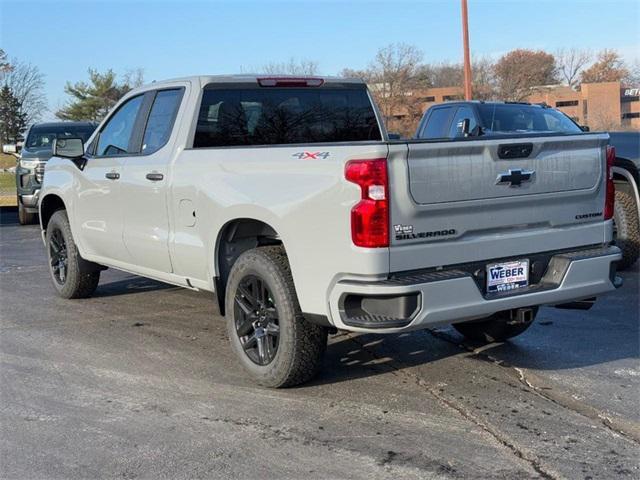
(8, 201)
(7, 189)
(7, 181)
(7, 161)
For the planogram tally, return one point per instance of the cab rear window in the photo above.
(284, 115)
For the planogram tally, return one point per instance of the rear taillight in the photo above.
(370, 217)
(610, 195)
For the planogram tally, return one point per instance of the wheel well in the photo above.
(48, 206)
(629, 166)
(235, 238)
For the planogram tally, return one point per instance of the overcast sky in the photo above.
(172, 39)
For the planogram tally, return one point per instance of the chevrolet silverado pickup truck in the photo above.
(286, 198)
(36, 150)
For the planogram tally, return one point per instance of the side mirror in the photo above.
(584, 128)
(10, 148)
(393, 136)
(68, 147)
(463, 127)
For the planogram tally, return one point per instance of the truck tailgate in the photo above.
(464, 201)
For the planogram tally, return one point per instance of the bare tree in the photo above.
(570, 63)
(484, 79)
(393, 81)
(351, 73)
(27, 84)
(443, 74)
(609, 67)
(633, 77)
(134, 78)
(291, 67)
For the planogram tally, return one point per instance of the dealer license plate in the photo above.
(502, 277)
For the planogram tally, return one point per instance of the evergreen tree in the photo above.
(92, 100)
(12, 118)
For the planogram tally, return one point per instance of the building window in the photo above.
(626, 99)
(449, 98)
(428, 99)
(631, 115)
(567, 103)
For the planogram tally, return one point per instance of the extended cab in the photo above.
(286, 198)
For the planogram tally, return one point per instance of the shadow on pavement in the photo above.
(558, 340)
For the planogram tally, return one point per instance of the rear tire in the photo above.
(497, 328)
(72, 276)
(627, 227)
(262, 308)
(24, 217)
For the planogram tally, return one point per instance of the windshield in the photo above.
(42, 137)
(516, 118)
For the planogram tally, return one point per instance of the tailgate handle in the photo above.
(515, 150)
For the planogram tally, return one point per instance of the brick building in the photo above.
(601, 106)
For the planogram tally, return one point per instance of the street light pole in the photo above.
(467, 56)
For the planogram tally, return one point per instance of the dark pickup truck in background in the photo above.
(36, 150)
(453, 120)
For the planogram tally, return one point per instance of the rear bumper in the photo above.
(431, 298)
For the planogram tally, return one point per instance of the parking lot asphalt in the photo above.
(140, 382)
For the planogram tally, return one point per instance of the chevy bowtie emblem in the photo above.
(515, 177)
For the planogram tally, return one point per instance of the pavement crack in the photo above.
(504, 440)
(538, 387)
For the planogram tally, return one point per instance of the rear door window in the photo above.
(161, 119)
(437, 123)
(271, 116)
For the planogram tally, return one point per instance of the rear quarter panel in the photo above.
(306, 201)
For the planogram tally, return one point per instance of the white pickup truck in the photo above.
(286, 198)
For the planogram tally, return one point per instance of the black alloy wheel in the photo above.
(58, 256)
(256, 316)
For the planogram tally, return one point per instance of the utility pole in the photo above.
(467, 57)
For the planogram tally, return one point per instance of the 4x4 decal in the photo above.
(311, 155)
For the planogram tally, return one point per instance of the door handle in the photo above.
(112, 175)
(155, 176)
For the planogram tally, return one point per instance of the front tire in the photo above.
(497, 328)
(627, 228)
(272, 340)
(72, 276)
(24, 217)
